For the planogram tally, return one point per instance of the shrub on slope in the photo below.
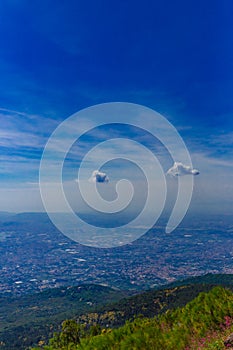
(174, 330)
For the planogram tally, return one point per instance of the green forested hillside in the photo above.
(201, 324)
(31, 319)
(209, 278)
(26, 320)
(147, 304)
(155, 302)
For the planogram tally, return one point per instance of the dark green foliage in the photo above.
(147, 304)
(33, 319)
(173, 330)
(95, 330)
(27, 320)
(209, 278)
(69, 336)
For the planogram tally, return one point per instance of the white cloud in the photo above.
(179, 169)
(98, 176)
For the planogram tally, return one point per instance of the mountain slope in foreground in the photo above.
(32, 319)
(203, 323)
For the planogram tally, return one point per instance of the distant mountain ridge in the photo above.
(5, 215)
(209, 278)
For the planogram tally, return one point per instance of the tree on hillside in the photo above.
(69, 337)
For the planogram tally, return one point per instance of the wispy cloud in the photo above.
(22, 138)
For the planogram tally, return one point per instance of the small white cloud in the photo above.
(98, 176)
(179, 169)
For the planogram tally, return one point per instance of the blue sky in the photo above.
(58, 57)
